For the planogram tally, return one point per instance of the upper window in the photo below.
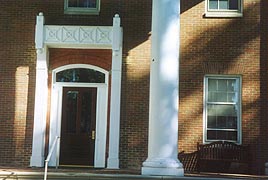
(223, 8)
(222, 108)
(81, 6)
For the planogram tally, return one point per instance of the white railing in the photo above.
(57, 138)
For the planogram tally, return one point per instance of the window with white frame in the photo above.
(222, 106)
(224, 8)
(82, 7)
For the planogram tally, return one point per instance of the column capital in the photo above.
(117, 34)
(39, 31)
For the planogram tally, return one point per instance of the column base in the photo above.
(168, 171)
(37, 161)
(162, 167)
(113, 163)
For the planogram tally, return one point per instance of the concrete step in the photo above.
(91, 176)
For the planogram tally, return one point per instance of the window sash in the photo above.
(77, 7)
(223, 5)
(222, 116)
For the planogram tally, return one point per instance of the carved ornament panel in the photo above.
(91, 35)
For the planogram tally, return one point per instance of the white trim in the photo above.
(114, 136)
(104, 37)
(239, 104)
(40, 109)
(101, 112)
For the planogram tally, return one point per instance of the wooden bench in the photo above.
(189, 161)
(222, 156)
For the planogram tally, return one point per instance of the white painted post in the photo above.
(113, 159)
(164, 79)
(41, 87)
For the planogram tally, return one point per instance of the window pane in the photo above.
(231, 85)
(222, 135)
(222, 116)
(221, 90)
(71, 110)
(222, 122)
(212, 84)
(213, 4)
(222, 85)
(222, 110)
(232, 122)
(233, 4)
(212, 121)
(223, 4)
(82, 3)
(86, 113)
(212, 96)
(231, 97)
(221, 97)
(80, 75)
(72, 3)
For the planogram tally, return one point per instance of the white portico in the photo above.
(164, 79)
(78, 37)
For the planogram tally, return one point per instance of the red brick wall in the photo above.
(136, 22)
(17, 82)
(208, 45)
(97, 57)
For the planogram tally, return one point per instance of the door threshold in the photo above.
(75, 166)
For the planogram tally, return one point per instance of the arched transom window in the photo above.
(80, 75)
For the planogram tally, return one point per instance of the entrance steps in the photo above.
(104, 174)
(89, 176)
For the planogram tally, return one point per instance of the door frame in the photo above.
(101, 113)
(61, 36)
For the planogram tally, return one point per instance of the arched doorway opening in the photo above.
(79, 103)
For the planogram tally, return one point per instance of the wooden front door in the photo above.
(78, 126)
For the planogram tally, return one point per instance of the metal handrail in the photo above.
(49, 156)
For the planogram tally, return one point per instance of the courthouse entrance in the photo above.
(92, 38)
(78, 126)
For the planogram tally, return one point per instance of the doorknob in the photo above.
(93, 135)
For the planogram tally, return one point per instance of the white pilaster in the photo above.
(113, 159)
(40, 109)
(164, 78)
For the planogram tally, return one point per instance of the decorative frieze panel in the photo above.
(83, 35)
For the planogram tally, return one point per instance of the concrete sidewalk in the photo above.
(11, 173)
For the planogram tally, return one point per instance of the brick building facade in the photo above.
(225, 47)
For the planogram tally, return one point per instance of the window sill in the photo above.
(81, 12)
(223, 15)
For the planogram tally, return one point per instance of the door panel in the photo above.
(78, 126)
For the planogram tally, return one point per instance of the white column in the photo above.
(114, 136)
(41, 87)
(164, 78)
